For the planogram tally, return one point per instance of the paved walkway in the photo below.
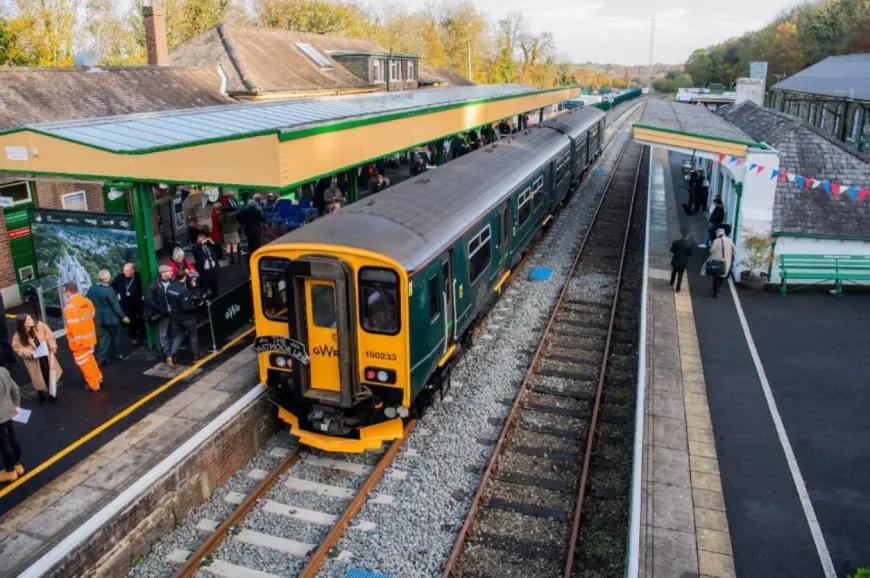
(808, 516)
(684, 530)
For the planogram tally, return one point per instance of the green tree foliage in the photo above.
(333, 17)
(798, 38)
(188, 18)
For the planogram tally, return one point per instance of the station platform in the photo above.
(683, 526)
(756, 457)
(110, 489)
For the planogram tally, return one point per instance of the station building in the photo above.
(832, 95)
(745, 151)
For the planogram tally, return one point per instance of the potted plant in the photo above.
(758, 258)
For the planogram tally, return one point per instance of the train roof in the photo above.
(576, 121)
(417, 219)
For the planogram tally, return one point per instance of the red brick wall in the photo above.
(49, 194)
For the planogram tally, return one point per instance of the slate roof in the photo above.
(261, 60)
(841, 77)
(442, 77)
(37, 95)
(690, 118)
(808, 153)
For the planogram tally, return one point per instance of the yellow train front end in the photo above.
(332, 342)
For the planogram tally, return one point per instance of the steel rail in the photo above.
(511, 418)
(602, 374)
(338, 529)
(217, 537)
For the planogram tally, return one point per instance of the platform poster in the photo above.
(75, 246)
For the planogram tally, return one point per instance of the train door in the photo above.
(448, 298)
(504, 228)
(322, 313)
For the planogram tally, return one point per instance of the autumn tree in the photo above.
(324, 16)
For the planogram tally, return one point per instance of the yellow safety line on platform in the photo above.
(118, 417)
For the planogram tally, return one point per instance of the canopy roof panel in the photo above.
(149, 132)
(691, 127)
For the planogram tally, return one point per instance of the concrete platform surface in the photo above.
(684, 529)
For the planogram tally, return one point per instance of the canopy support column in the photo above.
(143, 209)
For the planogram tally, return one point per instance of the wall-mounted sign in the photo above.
(6, 201)
(18, 233)
(16, 153)
(74, 246)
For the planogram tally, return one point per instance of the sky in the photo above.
(618, 31)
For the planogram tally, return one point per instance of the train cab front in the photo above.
(331, 347)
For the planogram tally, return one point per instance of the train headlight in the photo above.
(402, 411)
(281, 362)
(380, 375)
(390, 412)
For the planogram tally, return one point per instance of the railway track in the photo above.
(340, 484)
(529, 507)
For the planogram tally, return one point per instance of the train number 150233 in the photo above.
(381, 355)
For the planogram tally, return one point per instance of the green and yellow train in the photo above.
(361, 313)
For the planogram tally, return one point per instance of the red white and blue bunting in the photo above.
(833, 190)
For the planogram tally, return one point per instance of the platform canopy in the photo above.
(261, 145)
(692, 129)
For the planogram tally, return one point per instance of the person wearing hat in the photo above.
(158, 309)
(718, 264)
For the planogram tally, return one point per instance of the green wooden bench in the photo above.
(823, 269)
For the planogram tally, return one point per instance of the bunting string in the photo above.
(834, 190)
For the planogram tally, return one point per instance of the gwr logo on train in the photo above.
(324, 351)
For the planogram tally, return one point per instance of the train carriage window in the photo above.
(523, 207)
(434, 301)
(480, 253)
(379, 300)
(273, 288)
(323, 303)
(538, 192)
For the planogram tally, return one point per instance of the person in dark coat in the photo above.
(157, 307)
(109, 317)
(128, 285)
(182, 312)
(252, 219)
(717, 217)
(10, 451)
(695, 180)
(682, 250)
(207, 266)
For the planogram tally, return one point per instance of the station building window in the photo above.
(410, 70)
(377, 70)
(394, 71)
(15, 193)
(479, 253)
(379, 300)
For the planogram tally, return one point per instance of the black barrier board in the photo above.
(230, 312)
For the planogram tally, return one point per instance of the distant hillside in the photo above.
(596, 75)
(801, 36)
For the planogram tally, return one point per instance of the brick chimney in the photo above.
(155, 33)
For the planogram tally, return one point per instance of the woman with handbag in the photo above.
(718, 264)
(34, 342)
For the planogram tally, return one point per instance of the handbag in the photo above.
(715, 268)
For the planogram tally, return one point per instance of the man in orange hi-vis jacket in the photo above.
(81, 334)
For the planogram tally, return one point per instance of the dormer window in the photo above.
(315, 55)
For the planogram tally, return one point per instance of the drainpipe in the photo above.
(738, 187)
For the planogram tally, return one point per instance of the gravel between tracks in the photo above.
(446, 454)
